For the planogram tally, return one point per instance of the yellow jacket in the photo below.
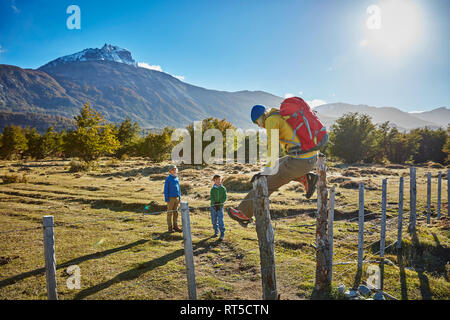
(275, 121)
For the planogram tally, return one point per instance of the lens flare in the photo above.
(400, 30)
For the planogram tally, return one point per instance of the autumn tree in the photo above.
(128, 136)
(14, 142)
(156, 146)
(93, 137)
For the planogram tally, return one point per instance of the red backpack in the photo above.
(306, 125)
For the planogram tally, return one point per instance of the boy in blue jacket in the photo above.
(172, 197)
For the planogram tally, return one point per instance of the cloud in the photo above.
(150, 67)
(13, 6)
(316, 102)
(1, 49)
(288, 95)
(157, 68)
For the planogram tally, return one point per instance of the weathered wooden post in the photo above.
(49, 254)
(266, 239)
(383, 219)
(448, 193)
(429, 198)
(188, 251)
(400, 213)
(439, 195)
(330, 234)
(361, 227)
(412, 200)
(322, 245)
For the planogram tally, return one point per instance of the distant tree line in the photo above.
(92, 137)
(353, 138)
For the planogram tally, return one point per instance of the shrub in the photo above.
(14, 178)
(14, 142)
(185, 188)
(92, 138)
(156, 146)
(352, 138)
(79, 166)
(238, 183)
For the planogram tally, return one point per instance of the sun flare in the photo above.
(400, 28)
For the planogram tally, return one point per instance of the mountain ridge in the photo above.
(110, 79)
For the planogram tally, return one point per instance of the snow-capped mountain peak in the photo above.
(107, 53)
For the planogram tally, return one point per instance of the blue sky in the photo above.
(319, 50)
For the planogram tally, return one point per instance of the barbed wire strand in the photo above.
(20, 230)
(368, 246)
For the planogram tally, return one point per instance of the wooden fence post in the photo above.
(400, 213)
(322, 245)
(429, 198)
(412, 200)
(188, 252)
(439, 195)
(383, 219)
(448, 193)
(49, 254)
(266, 239)
(361, 227)
(330, 234)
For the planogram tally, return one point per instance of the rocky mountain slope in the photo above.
(111, 80)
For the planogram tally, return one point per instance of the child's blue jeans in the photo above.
(217, 220)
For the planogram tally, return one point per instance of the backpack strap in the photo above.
(298, 144)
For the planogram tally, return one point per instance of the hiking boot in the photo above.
(221, 237)
(170, 230)
(309, 182)
(239, 217)
(312, 179)
(177, 229)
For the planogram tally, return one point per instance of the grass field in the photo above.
(123, 254)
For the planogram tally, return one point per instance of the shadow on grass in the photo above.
(199, 248)
(401, 265)
(422, 257)
(97, 255)
(419, 263)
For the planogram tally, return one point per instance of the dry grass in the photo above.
(123, 254)
(238, 183)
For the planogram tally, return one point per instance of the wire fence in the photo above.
(371, 227)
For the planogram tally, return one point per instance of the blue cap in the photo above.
(257, 112)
